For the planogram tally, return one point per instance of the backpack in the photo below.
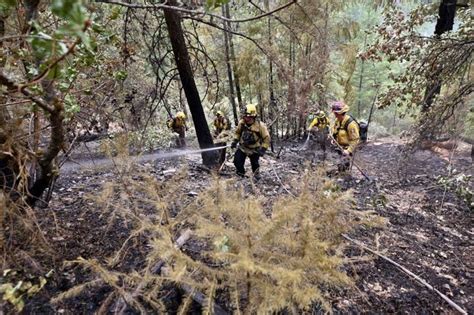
(363, 128)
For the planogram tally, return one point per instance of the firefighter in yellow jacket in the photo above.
(221, 124)
(254, 140)
(320, 129)
(345, 132)
(178, 125)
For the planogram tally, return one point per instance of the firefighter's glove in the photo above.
(234, 144)
(261, 151)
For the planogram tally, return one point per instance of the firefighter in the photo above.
(178, 125)
(253, 139)
(345, 132)
(320, 128)
(221, 124)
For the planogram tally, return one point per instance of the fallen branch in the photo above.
(417, 278)
(197, 296)
(159, 267)
(121, 305)
(280, 181)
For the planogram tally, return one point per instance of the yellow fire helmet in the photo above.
(181, 115)
(251, 110)
(320, 114)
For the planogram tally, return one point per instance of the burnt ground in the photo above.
(430, 228)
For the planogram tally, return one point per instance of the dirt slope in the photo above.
(430, 229)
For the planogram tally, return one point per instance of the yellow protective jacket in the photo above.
(220, 124)
(346, 133)
(252, 137)
(319, 122)
(177, 124)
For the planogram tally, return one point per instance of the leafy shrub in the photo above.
(459, 183)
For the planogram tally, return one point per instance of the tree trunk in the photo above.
(176, 35)
(271, 107)
(445, 22)
(4, 115)
(361, 77)
(234, 66)
(45, 174)
(229, 70)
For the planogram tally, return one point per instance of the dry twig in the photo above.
(408, 272)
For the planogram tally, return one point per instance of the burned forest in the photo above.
(236, 157)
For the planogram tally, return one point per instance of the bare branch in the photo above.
(229, 31)
(15, 87)
(163, 6)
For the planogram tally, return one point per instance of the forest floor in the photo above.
(430, 228)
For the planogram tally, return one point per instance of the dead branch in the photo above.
(417, 278)
(164, 6)
(159, 267)
(198, 296)
(228, 31)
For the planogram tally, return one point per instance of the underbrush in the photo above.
(22, 245)
(222, 244)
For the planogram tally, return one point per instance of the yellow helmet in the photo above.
(340, 107)
(251, 110)
(219, 113)
(320, 114)
(181, 115)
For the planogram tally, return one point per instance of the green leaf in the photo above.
(54, 72)
(42, 45)
(116, 11)
(213, 4)
(120, 75)
(71, 10)
(71, 106)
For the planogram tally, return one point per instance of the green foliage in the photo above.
(469, 130)
(71, 10)
(153, 138)
(213, 4)
(459, 183)
(71, 106)
(120, 75)
(6, 6)
(426, 59)
(16, 291)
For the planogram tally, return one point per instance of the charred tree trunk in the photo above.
(271, 107)
(445, 22)
(176, 35)
(229, 69)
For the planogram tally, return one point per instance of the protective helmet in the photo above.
(320, 114)
(219, 113)
(251, 110)
(181, 115)
(339, 107)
